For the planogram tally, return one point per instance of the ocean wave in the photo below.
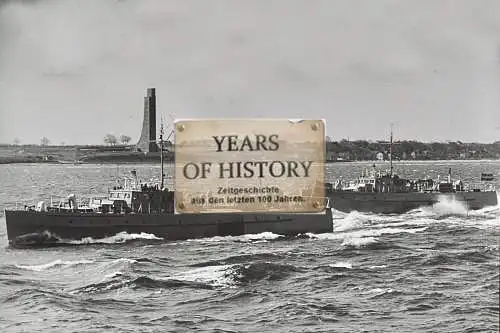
(54, 264)
(119, 238)
(368, 224)
(259, 271)
(447, 206)
(377, 266)
(118, 280)
(445, 209)
(357, 242)
(301, 312)
(353, 220)
(230, 275)
(155, 283)
(348, 240)
(220, 276)
(419, 307)
(263, 236)
(474, 222)
(34, 296)
(113, 275)
(124, 261)
(18, 281)
(47, 238)
(341, 264)
(217, 276)
(242, 258)
(417, 221)
(381, 292)
(357, 220)
(483, 255)
(458, 257)
(101, 287)
(363, 237)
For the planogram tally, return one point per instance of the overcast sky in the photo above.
(76, 70)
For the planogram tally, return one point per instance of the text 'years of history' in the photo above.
(215, 157)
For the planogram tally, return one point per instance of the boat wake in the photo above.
(356, 229)
(48, 239)
(446, 207)
(120, 238)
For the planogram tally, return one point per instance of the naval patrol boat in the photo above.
(135, 207)
(387, 193)
(384, 192)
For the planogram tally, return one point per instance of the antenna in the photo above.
(172, 121)
(390, 149)
(117, 174)
(161, 151)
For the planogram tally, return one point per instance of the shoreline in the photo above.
(5, 161)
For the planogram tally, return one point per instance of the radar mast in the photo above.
(161, 152)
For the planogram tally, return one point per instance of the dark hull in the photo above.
(30, 226)
(398, 203)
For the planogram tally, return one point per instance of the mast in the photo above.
(390, 150)
(161, 152)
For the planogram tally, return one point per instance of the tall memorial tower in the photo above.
(147, 141)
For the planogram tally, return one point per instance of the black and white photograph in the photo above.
(249, 166)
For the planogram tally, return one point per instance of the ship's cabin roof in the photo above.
(121, 194)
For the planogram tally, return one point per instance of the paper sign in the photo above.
(249, 165)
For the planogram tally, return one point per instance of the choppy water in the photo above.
(431, 270)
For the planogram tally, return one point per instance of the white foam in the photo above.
(480, 224)
(52, 264)
(359, 241)
(353, 220)
(263, 236)
(369, 232)
(447, 205)
(341, 264)
(377, 266)
(119, 238)
(380, 291)
(112, 275)
(124, 260)
(116, 266)
(325, 236)
(213, 275)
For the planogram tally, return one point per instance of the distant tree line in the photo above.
(410, 150)
(360, 150)
(109, 139)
